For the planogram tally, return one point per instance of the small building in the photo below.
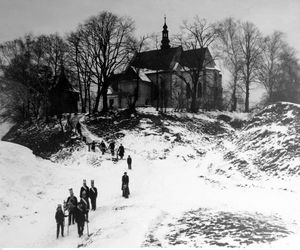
(63, 97)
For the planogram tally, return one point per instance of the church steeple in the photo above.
(165, 42)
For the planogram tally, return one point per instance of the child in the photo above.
(60, 218)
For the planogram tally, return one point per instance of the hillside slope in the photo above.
(269, 143)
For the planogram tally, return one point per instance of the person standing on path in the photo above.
(93, 195)
(129, 161)
(125, 185)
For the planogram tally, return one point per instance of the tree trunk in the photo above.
(104, 97)
(233, 96)
(97, 99)
(247, 96)
(136, 94)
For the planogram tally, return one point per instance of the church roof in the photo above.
(161, 59)
(165, 59)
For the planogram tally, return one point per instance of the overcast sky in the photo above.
(18, 17)
(47, 16)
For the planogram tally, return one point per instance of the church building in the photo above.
(163, 78)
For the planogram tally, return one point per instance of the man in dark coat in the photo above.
(125, 185)
(102, 147)
(121, 151)
(112, 148)
(84, 188)
(93, 195)
(129, 162)
(85, 202)
(60, 219)
(71, 206)
(81, 218)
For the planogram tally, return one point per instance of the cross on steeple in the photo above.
(165, 42)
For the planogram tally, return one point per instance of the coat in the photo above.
(129, 160)
(125, 181)
(86, 189)
(71, 203)
(80, 215)
(85, 204)
(121, 150)
(59, 216)
(93, 193)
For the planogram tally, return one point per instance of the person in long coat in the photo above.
(125, 185)
(129, 161)
(121, 151)
(71, 206)
(93, 195)
(112, 148)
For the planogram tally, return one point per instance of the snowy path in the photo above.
(162, 191)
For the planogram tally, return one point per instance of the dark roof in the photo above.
(193, 58)
(165, 59)
(128, 74)
(162, 59)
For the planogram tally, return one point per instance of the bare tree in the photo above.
(228, 31)
(196, 37)
(250, 40)
(106, 39)
(270, 66)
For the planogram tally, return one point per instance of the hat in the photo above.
(70, 189)
(125, 172)
(59, 206)
(84, 181)
(92, 181)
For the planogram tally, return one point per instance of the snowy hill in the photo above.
(269, 143)
(183, 192)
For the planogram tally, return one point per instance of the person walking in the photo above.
(112, 148)
(93, 195)
(129, 161)
(102, 147)
(125, 185)
(84, 188)
(60, 219)
(121, 151)
(86, 205)
(71, 206)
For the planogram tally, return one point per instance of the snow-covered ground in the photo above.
(178, 196)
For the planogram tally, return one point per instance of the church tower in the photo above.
(165, 42)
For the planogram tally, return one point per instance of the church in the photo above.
(163, 79)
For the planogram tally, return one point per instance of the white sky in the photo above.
(18, 17)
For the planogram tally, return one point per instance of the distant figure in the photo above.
(60, 219)
(102, 147)
(81, 218)
(93, 146)
(121, 151)
(93, 195)
(71, 206)
(125, 185)
(78, 127)
(112, 148)
(129, 162)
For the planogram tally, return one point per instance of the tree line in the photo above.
(104, 44)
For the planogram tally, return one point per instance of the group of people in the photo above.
(78, 211)
(111, 147)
